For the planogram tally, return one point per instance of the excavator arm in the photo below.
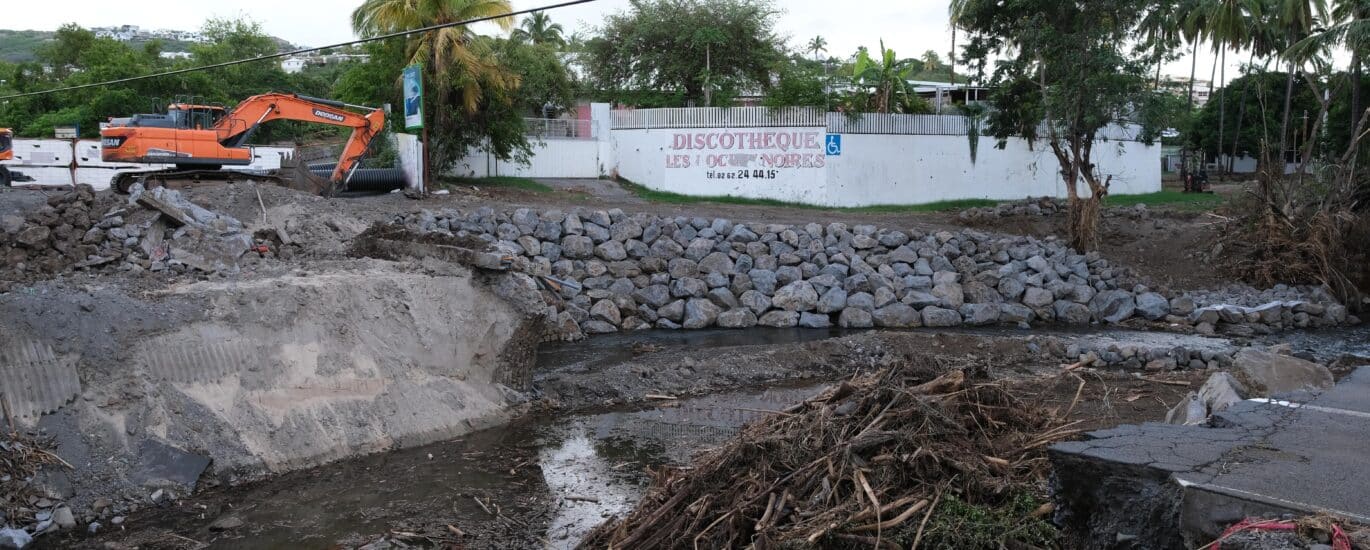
(239, 126)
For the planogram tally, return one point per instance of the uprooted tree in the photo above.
(1062, 72)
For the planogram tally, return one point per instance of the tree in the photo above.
(466, 89)
(1062, 68)
(931, 61)
(539, 29)
(818, 45)
(886, 79)
(546, 87)
(801, 83)
(689, 48)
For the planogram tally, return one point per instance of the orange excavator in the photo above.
(201, 139)
(6, 153)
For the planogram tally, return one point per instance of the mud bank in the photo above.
(225, 382)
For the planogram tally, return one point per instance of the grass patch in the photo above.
(676, 198)
(505, 182)
(957, 524)
(1188, 201)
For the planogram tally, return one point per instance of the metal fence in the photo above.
(836, 123)
(558, 128)
(880, 123)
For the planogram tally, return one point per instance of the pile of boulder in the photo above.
(633, 272)
(154, 230)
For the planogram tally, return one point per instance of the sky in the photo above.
(910, 27)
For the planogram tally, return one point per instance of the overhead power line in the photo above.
(303, 51)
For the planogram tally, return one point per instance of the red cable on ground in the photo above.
(1339, 539)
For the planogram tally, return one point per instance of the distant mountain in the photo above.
(17, 46)
(20, 45)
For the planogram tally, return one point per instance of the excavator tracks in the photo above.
(180, 179)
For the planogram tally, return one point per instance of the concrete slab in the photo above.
(1299, 454)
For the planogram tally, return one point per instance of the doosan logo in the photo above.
(330, 116)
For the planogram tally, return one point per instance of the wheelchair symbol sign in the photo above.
(834, 145)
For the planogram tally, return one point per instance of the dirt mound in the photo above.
(866, 463)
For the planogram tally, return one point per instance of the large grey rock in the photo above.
(796, 296)
(897, 316)
(681, 268)
(980, 314)
(934, 316)
(595, 326)
(756, 301)
(577, 247)
(763, 280)
(833, 301)
(977, 292)
(605, 310)
(950, 294)
(717, 262)
(596, 232)
(855, 318)
(814, 320)
(1182, 306)
(1113, 306)
(861, 300)
(689, 287)
(699, 248)
(1036, 297)
(611, 251)
(1015, 313)
(1011, 289)
(1272, 374)
(1039, 264)
(737, 318)
(1152, 306)
(11, 538)
(920, 299)
(624, 230)
(674, 311)
(779, 319)
(666, 249)
(722, 297)
(741, 234)
(1071, 313)
(700, 313)
(653, 295)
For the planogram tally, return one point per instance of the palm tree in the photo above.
(1231, 24)
(817, 45)
(538, 28)
(888, 77)
(1349, 28)
(1293, 20)
(447, 50)
(931, 61)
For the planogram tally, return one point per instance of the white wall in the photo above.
(68, 162)
(552, 158)
(672, 160)
(882, 169)
(904, 169)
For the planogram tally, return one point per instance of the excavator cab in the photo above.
(7, 153)
(6, 144)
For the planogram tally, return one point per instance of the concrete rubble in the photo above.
(679, 272)
(155, 230)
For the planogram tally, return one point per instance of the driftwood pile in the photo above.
(863, 465)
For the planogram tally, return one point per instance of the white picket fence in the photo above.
(836, 123)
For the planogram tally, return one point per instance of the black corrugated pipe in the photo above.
(371, 179)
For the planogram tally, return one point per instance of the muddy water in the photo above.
(541, 482)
